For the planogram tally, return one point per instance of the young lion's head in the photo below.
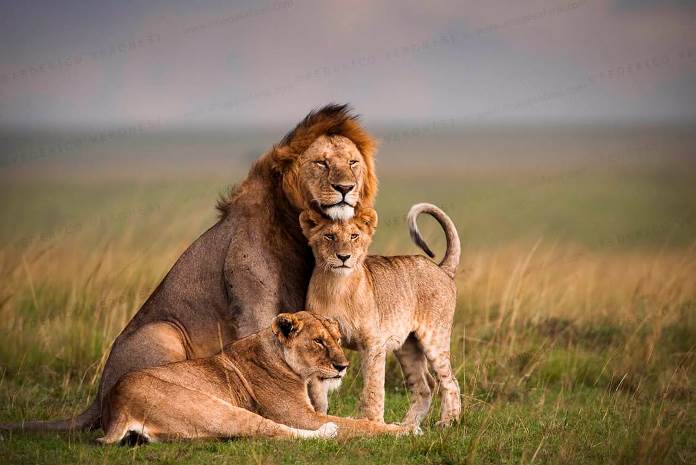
(328, 159)
(339, 245)
(311, 345)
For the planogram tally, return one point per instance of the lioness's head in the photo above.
(311, 345)
(339, 245)
(328, 160)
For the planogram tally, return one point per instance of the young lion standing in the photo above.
(403, 303)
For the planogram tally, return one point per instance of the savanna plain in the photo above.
(575, 333)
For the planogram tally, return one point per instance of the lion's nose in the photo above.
(343, 258)
(343, 188)
(340, 366)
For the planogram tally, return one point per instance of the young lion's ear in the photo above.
(286, 325)
(368, 217)
(309, 219)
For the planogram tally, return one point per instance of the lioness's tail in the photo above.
(451, 259)
(89, 419)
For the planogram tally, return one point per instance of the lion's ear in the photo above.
(283, 157)
(368, 217)
(309, 219)
(286, 325)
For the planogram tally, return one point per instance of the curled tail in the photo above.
(89, 419)
(451, 259)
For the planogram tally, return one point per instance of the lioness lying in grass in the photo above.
(256, 387)
(402, 303)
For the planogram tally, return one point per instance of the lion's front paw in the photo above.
(327, 430)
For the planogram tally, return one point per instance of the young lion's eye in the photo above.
(330, 237)
(321, 163)
(353, 236)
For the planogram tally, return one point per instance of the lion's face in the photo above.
(339, 245)
(311, 345)
(332, 172)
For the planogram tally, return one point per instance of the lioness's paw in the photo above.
(327, 430)
(402, 429)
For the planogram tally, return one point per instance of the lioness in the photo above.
(402, 303)
(256, 387)
(234, 279)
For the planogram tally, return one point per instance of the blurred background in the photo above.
(515, 100)
(559, 135)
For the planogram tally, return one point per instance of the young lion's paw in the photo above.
(446, 423)
(413, 428)
(327, 430)
(416, 430)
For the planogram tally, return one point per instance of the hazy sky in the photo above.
(223, 64)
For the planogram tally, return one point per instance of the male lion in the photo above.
(256, 387)
(402, 303)
(233, 279)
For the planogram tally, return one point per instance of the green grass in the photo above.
(574, 340)
(587, 426)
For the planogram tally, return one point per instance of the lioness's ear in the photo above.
(286, 325)
(335, 329)
(368, 217)
(309, 219)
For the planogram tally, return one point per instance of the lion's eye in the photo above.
(321, 163)
(319, 341)
(330, 237)
(353, 162)
(353, 236)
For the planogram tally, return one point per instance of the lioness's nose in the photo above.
(343, 258)
(340, 366)
(343, 188)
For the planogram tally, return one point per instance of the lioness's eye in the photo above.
(329, 237)
(353, 162)
(353, 236)
(321, 163)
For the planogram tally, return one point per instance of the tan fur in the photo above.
(255, 387)
(234, 279)
(403, 304)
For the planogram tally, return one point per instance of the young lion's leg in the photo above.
(373, 361)
(418, 380)
(436, 347)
